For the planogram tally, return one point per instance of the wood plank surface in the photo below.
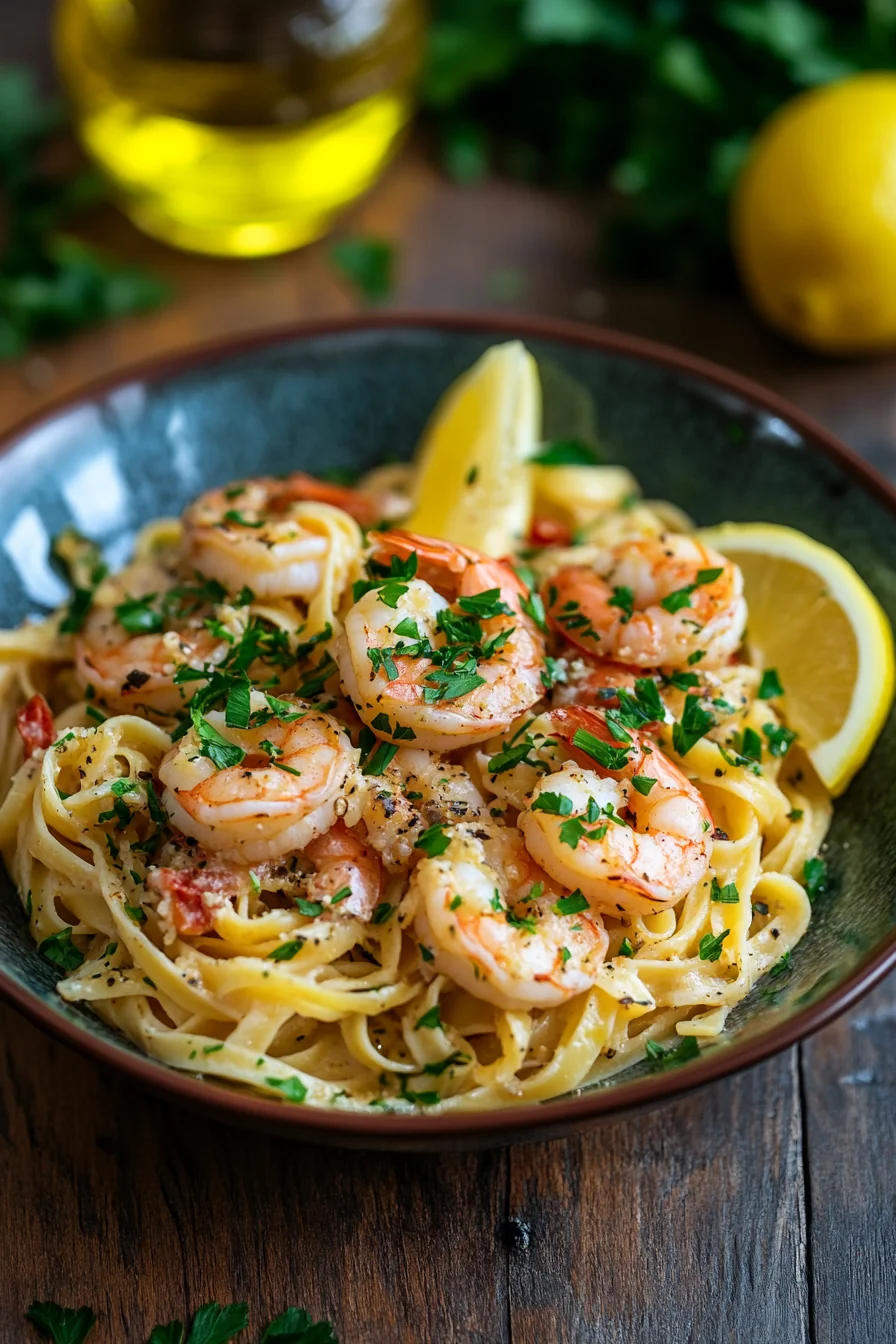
(695, 1224)
(668, 1228)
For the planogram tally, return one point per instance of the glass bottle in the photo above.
(239, 127)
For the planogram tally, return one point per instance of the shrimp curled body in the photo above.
(270, 535)
(293, 783)
(636, 849)
(487, 914)
(391, 655)
(651, 602)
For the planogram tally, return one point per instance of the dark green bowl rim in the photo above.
(525, 1121)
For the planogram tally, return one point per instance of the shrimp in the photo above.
(634, 838)
(653, 601)
(417, 789)
(348, 875)
(491, 919)
(291, 781)
(129, 671)
(596, 683)
(450, 675)
(275, 536)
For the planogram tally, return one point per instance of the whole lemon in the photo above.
(814, 217)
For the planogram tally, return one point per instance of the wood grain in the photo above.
(849, 1088)
(145, 1212)
(680, 1226)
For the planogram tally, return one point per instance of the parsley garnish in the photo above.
(624, 599)
(565, 453)
(695, 723)
(431, 1019)
(778, 738)
(286, 951)
(533, 607)
(573, 904)
(485, 606)
(310, 908)
(770, 686)
(626, 949)
(433, 841)
(138, 617)
(727, 895)
(293, 1089)
(661, 1057)
(681, 597)
(815, 876)
(711, 947)
(611, 758)
(643, 783)
(556, 804)
(60, 949)
(383, 912)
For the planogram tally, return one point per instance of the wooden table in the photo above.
(759, 1211)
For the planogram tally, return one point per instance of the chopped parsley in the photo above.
(779, 738)
(663, 1057)
(815, 876)
(433, 841)
(286, 951)
(624, 599)
(431, 1019)
(573, 904)
(610, 757)
(565, 453)
(770, 685)
(681, 597)
(292, 1089)
(383, 912)
(555, 804)
(727, 895)
(695, 723)
(310, 908)
(138, 616)
(61, 951)
(626, 949)
(643, 783)
(711, 947)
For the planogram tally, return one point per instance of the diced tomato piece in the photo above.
(549, 532)
(193, 894)
(35, 724)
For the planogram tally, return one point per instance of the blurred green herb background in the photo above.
(51, 284)
(658, 98)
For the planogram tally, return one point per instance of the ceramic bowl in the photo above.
(352, 393)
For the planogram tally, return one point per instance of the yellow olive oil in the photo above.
(239, 127)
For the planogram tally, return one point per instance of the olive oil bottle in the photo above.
(239, 127)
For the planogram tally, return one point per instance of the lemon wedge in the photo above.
(472, 484)
(814, 621)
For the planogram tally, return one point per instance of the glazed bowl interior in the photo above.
(355, 395)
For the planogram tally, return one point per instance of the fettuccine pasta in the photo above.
(356, 818)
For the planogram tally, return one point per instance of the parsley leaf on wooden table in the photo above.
(62, 1325)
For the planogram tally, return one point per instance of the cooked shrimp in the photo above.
(424, 653)
(652, 601)
(291, 784)
(126, 671)
(34, 722)
(348, 876)
(636, 838)
(416, 790)
(270, 535)
(597, 683)
(490, 917)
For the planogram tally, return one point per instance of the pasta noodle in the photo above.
(304, 948)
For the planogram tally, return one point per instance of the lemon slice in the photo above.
(814, 621)
(472, 486)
